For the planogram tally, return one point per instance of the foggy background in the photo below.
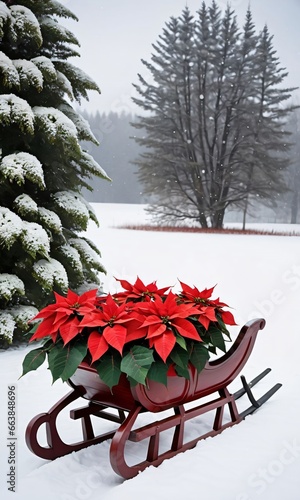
(114, 35)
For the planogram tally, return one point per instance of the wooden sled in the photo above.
(130, 402)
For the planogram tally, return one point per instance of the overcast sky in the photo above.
(116, 34)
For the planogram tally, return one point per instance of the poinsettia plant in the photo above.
(143, 331)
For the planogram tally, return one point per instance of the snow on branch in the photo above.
(88, 255)
(73, 257)
(10, 285)
(11, 227)
(35, 239)
(79, 80)
(20, 166)
(4, 17)
(56, 126)
(56, 8)
(56, 31)
(50, 219)
(7, 326)
(88, 162)
(10, 75)
(29, 74)
(14, 110)
(22, 315)
(25, 26)
(46, 66)
(71, 203)
(25, 205)
(50, 273)
(83, 127)
(91, 211)
(65, 85)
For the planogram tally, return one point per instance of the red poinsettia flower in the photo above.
(139, 291)
(194, 295)
(207, 306)
(111, 319)
(63, 317)
(162, 317)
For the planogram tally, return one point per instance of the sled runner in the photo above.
(128, 403)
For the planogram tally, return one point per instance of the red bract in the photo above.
(63, 317)
(139, 291)
(129, 331)
(163, 318)
(194, 295)
(111, 318)
(207, 306)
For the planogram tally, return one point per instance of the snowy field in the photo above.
(259, 276)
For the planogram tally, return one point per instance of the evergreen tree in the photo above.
(214, 112)
(42, 166)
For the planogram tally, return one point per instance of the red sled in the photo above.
(129, 402)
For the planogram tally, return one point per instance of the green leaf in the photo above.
(76, 354)
(212, 349)
(180, 357)
(33, 360)
(217, 339)
(108, 369)
(199, 356)
(57, 359)
(181, 341)
(182, 372)
(132, 382)
(222, 326)
(137, 362)
(158, 372)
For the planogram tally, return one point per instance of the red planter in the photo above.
(157, 397)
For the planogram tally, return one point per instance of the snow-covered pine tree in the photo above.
(42, 165)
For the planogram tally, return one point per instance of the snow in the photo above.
(88, 161)
(13, 109)
(35, 239)
(82, 125)
(86, 251)
(50, 272)
(54, 123)
(25, 205)
(7, 326)
(46, 66)
(9, 284)
(259, 276)
(50, 219)
(22, 314)
(72, 204)
(25, 23)
(60, 32)
(21, 166)
(29, 74)
(11, 227)
(73, 257)
(63, 81)
(10, 74)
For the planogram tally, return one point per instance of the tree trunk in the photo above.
(245, 213)
(217, 219)
(203, 220)
(294, 207)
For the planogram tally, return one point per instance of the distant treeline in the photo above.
(115, 154)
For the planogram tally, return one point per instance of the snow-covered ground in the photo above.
(259, 276)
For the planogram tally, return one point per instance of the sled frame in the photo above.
(126, 432)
